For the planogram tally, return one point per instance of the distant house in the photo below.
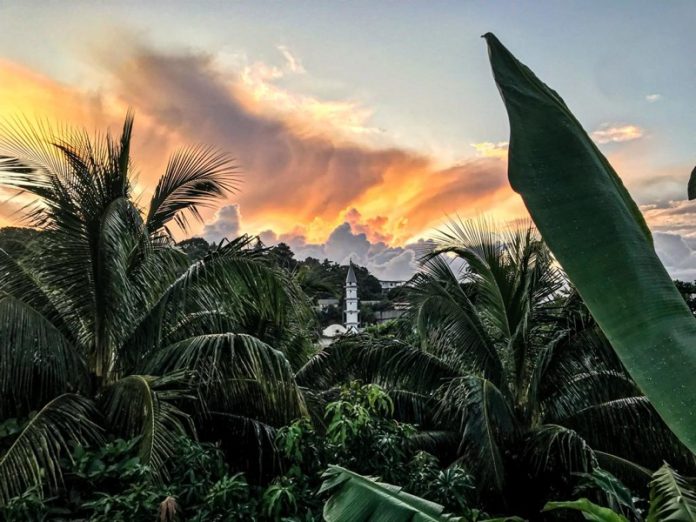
(388, 285)
(324, 304)
(333, 330)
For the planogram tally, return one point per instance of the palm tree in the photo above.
(104, 324)
(512, 376)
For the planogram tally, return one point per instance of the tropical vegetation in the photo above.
(541, 375)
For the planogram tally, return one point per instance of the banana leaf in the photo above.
(601, 240)
(589, 510)
(355, 498)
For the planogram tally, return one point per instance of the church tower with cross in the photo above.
(351, 311)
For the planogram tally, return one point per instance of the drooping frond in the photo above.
(33, 458)
(553, 447)
(237, 374)
(37, 362)
(629, 427)
(22, 282)
(390, 363)
(194, 178)
(236, 288)
(148, 407)
(332, 365)
(479, 413)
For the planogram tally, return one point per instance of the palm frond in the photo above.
(235, 283)
(444, 314)
(193, 179)
(554, 447)
(479, 413)
(37, 362)
(629, 427)
(148, 407)
(672, 497)
(237, 374)
(20, 280)
(33, 458)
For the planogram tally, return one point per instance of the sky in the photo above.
(361, 127)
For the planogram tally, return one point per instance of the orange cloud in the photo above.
(302, 174)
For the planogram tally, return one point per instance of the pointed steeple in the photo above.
(350, 278)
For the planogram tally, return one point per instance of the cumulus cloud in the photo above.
(226, 224)
(678, 256)
(674, 233)
(652, 98)
(345, 243)
(675, 217)
(617, 133)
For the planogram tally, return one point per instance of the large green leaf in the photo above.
(589, 510)
(356, 498)
(599, 236)
(691, 188)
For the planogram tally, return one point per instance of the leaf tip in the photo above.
(691, 188)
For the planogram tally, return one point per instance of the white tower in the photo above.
(351, 311)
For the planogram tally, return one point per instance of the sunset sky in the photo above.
(361, 126)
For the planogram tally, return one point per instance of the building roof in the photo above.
(333, 330)
(350, 278)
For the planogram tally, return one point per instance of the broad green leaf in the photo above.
(589, 510)
(357, 498)
(599, 236)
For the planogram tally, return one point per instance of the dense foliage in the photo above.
(141, 378)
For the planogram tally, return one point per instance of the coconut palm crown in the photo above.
(105, 327)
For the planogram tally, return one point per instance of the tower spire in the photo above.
(351, 310)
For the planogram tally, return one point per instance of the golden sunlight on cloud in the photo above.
(612, 133)
(255, 83)
(26, 93)
(489, 149)
(309, 165)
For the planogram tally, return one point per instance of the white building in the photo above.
(324, 304)
(351, 310)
